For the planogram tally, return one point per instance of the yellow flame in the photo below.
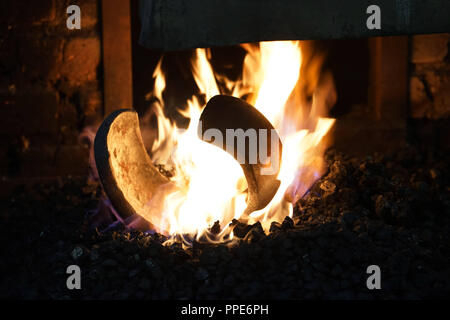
(209, 185)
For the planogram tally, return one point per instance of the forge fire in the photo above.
(153, 151)
(206, 184)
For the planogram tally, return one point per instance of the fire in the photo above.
(208, 184)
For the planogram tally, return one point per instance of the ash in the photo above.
(390, 211)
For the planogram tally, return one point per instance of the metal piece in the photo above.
(184, 24)
(226, 112)
(124, 167)
(389, 79)
(116, 39)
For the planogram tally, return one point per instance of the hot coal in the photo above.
(392, 211)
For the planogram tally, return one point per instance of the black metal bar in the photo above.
(183, 24)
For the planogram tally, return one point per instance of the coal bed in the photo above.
(391, 211)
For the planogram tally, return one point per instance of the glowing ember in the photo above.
(208, 184)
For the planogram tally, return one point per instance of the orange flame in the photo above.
(208, 184)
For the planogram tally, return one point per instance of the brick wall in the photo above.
(50, 87)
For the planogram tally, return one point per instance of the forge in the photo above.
(210, 149)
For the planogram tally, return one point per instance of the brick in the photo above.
(39, 57)
(49, 161)
(418, 97)
(28, 113)
(429, 90)
(27, 60)
(81, 60)
(92, 99)
(429, 48)
(89, 13)
(83, 103)
(25, 12)
(441, 98)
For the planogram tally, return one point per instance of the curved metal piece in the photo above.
(127, 174)
(184, 24)
(224, 113)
